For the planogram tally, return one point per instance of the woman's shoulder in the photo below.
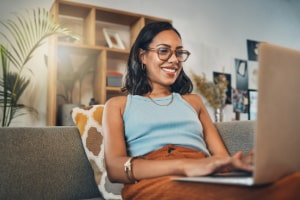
(194, 100)
(117, 102)
(191, 97)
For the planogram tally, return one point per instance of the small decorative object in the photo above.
(218, 112)
(92, 101)
(213, 91)
(113, 39)
(229, 88)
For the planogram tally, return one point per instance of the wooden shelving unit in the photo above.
(91, 50)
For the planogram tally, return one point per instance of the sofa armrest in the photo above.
(44, 163)
(237, 135)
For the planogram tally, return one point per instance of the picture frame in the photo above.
(252, 101)
(241, 74)
(239, 101)
(113, 39)
(252, 49)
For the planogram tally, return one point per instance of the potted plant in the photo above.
(23, 36)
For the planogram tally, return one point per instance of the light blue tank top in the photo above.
(149, 126)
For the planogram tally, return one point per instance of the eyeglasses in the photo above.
(165, 54)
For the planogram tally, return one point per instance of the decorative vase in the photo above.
(218, 114)
(64, 117)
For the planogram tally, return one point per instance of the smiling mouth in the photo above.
(171, 70)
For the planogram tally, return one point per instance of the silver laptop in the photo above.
(277, 136)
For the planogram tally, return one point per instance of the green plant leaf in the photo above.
(23, 36)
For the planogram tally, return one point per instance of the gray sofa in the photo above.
(50, 162)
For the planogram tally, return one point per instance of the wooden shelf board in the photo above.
(72, 9)
(113, 89)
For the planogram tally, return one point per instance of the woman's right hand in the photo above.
(214, 164)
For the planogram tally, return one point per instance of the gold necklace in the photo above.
(162, 104)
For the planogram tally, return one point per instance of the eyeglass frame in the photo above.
(172, 52)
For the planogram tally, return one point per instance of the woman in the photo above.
(161, 130)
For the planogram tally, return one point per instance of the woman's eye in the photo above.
(163, 51)
(179, 53)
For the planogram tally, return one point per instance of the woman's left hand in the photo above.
(241, 161)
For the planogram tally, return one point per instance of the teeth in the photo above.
(169, 70)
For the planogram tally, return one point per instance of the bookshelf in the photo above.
(87, 61)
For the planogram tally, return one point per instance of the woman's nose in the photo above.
(173, 58)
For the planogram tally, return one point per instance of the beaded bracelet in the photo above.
(128, 169)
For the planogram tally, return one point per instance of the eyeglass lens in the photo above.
(165, 53)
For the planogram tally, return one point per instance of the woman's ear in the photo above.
(142, 55)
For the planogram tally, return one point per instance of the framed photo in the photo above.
(241, 73)
(252, 49)
(239, 101)
(252, 98)
(113, 39)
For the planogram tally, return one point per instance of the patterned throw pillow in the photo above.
(88, 121)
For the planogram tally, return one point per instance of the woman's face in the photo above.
(163, 73)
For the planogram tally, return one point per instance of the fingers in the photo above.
(248, 159)
(239, 161)
(238, 155)
(243, 164)
(214, 164)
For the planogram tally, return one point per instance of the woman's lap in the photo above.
(164, 188)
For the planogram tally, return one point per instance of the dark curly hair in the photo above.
(135, 80)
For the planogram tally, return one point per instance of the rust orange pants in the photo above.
(163, 188)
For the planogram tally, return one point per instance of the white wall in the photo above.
(215, 31)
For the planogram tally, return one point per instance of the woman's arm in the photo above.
(214, 142)
(212, 138)
(113, 138)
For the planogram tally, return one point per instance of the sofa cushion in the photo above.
(88, 121)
